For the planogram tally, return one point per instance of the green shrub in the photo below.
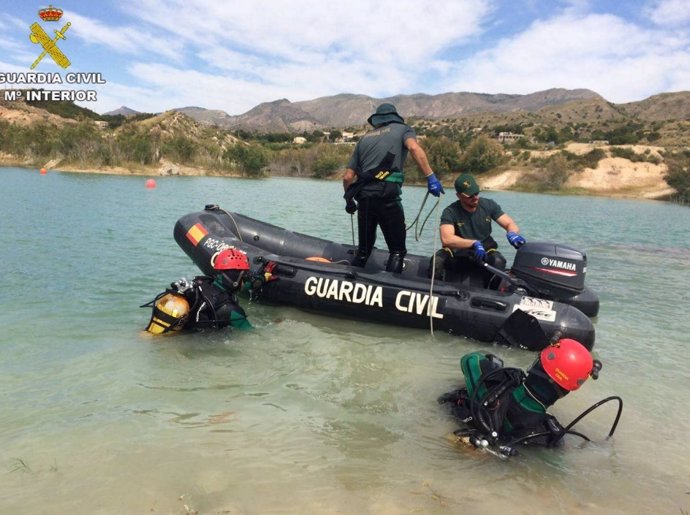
(180, 149)
(631, 155)
(625, 153)
(330, 158)
(624, 135)
(678, 175)
(134, 146)
(556, 172)
(251, 158)
(591, 159)
(482, 155)
(443, 155)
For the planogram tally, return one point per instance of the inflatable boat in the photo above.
(540, 297)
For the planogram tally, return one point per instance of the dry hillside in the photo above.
(613, 177)
(22, 114)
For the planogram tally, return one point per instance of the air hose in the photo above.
(568, 428)
(479, 409)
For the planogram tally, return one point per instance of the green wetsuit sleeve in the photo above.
(238, 319)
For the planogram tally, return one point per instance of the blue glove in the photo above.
(434, 185)
(479, 250)
(515, 239)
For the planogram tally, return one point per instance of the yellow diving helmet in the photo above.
(170, 312)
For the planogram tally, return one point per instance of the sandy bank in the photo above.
(613, 177)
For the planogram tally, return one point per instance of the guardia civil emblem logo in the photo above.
(39, 36)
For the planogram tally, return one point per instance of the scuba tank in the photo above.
(502, 406)
(204, 302)
(170, 312)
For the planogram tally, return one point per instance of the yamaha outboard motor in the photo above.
(556, 272)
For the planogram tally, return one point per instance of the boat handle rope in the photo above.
(421, 208)
(237, 227)
(433, 261)
(417, 235)
(415, 222)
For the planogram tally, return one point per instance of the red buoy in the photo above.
(43, 171)
(150, 184)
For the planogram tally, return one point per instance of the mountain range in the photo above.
(351, 111)
(553, 107)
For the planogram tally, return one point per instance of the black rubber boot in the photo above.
(360, 259)
(396, 260)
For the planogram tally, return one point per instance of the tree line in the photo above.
(449, 150)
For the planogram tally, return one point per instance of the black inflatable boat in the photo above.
(542, 295)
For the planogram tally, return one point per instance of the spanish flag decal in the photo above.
(196, 234)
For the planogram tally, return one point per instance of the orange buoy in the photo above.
(43, 171)
(150, 184)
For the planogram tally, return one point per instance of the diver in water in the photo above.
(503, 406)
(209, 302)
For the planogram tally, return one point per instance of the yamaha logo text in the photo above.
(557, 263)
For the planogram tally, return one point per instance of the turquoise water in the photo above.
(309, 414)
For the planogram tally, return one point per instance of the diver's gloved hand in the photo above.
(268, 272)
(479, 251)
(434, 185)
(515, 239)
(265, 275)
(351, 207)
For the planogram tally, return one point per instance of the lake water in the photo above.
(309, 414)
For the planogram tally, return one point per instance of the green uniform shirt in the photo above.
(376, 145)
(472, 226)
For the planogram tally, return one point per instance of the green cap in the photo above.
(465, 183)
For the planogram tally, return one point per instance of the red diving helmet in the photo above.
(230, 259)
(568, 363)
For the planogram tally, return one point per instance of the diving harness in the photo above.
(485, 410)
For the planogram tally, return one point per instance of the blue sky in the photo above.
(157, 55)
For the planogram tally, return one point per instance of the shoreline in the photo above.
(624, 182)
